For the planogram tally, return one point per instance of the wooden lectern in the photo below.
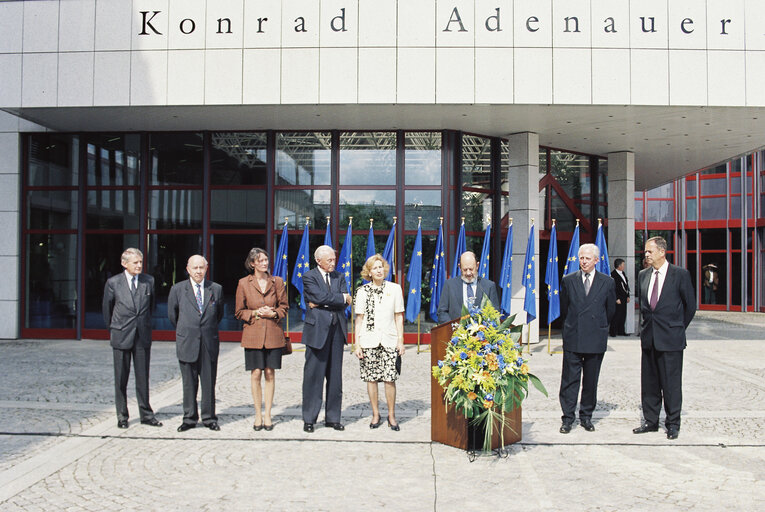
(448, 426)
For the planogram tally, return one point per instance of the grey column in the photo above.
(10, 234)
(621, 220)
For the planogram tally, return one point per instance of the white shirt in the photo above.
(385, 332)
(324, 276)
(591, 275)
(465, 294)
(201, 289)
(662, 276)
(624, 278)
(130, 280)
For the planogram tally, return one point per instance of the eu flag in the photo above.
(483, 266)
(370, 245)
(302, 265)
(529, 280)
(506, 277)
(345, 262)
(551, 278)
(572, 260)
(600, 241)
(414, 278)
(389, 254)
(280, 263)
(437, 275)
(461, 247)
(328, 235)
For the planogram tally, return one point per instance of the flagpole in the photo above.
(419, 313)
(286, 286)
(350, 287)
(394, 249)
(528, 325)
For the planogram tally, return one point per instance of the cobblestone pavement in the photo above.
(60, 448)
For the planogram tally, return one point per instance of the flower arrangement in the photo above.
(483, 373)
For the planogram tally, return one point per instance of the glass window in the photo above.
(565, 220)
(690, 188)
(425, 204)
(295, 314)
(542, 162)
(666, 191)
(176, 158)
(476, 208)
(368, 157)
(690, 209)
(603, 184)
(363, 205)
(112, 209)
(735, 207)
(53, 160)
(303, 158)
(660, 211)
(238, 158)
(422, 158)
(296, 205)
(113, 159)
(51, 293)
(476, 161)
(713, 186)
(175, 209)
(638, 210)
(712, 239)
(690, 240)
(711, 293)
(572, 172)
(238, 209)
(52, 209)
(713, 208)
(428, 250)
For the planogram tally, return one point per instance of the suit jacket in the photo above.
(622, 286)
(664, 327)
(330, 304)
(450, 305)
(128, 321)
(586, 317)
(193, 328)
(261, 332)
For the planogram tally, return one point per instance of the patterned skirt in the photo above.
(378, 364)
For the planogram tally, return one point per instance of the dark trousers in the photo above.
(326, 363)
(620, 317)
(578, 365)
(202, 370)
(661, 376)
(141, 357)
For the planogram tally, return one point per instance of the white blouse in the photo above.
(390, 302)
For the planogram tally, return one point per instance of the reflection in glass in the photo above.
(714, 186)
(296, 205)
(603, 188)
(690, 209)
(476, 161)
(367, 157)
(113, 159)
(112, 209)
(425, 204)
(713, 208)
(240, 209)
(175, 209)
(572, 172)
(422, 158)
(363, 205)
(303, 158)
(564, 218)
(52, 209)
(542, 163)
(176, 158)
(238, 158)
(166, 256)
(53, 160)
(660, 211)
(51, 287)
(666, 191)
(476, 208)
(690, 188)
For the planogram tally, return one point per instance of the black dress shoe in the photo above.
(393, 427)
(186, 426)
(336, 426)
(122, 423)
(565, 428)
(672, 432)
(308, 427)
(587, 425)
(213, 426)
(645, 427)
(376, 424)
(268, 428)
(152, 422)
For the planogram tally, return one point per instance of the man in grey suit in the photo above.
(195, 307)
(324, 336)
(587, 305)
(127, 305)
(466, 289)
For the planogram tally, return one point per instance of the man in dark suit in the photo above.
(127, 305)
(195, 307)
(465, 289)
(587, 304)
(667, 306)
(324, 336)
(622, 298)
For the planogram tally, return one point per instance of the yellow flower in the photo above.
(472, 396)
(488, 404)
(524, 369)
(445, 371)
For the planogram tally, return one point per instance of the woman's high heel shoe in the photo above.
(393, 427)
(376, 424)
(257, 428)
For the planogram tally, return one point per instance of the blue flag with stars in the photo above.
(461, 247)
(370, 246)
(414, 278)
(345, 261)
(280, 264)
(301, 267)
(600, 240)
(389, 253)
(506, 276)
(328, 235)
(551, 278)
(483, 266)
(572, 261)
(437, 275)
(529, 280)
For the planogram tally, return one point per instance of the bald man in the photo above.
(195, 307)
(467, 289)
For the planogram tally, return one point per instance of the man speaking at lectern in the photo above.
(466, 289)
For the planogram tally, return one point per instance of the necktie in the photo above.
(326, 276)
(470, 295)
(655, 291)
(134, 286)
(199, 297)
(587, 284)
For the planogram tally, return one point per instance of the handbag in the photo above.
(287, 346)
(398, 364)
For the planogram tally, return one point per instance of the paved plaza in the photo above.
(60, 448)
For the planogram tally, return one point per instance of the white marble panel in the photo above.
(11, 26)
(455, 75)
(185, 77)
(416, 75)
(300, 75)
(75, 79)
(687, 77)
(76, 19)
(261, 74)
(39, 73)
(8, 123)
(223, 77)
(150, 24)
(113, 24)
(755, 77)
(262, 24)
(532, 24)
(494, 75)
(610, 23)
(377, 23)
(339, 23)
(455, 23)
(755, 20)
(416, 24)
(186, 24)
(9, 163)
(649, 77)
(377, 75)
(10, 310)
(10, 80)
(300, 24)
(9, 225)
(610, 76)
(494, 28)
(572, 76)
(9, 289)
(687, 24)
(571, 23)
(648, 24)
(9, 186)
(727, 78)
(228, 32)
(532, 74)
(41, 26)
(338, 71)
(111, 83)
(148, 77)
(726, 24)
(29, 126)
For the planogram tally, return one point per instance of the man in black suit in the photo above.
(667, 306)
(466, 289)
(587, 304)
(195, 307)
(127, 305)
(622, 298)
(324, 336)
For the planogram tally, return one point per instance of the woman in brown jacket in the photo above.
(261, 303)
